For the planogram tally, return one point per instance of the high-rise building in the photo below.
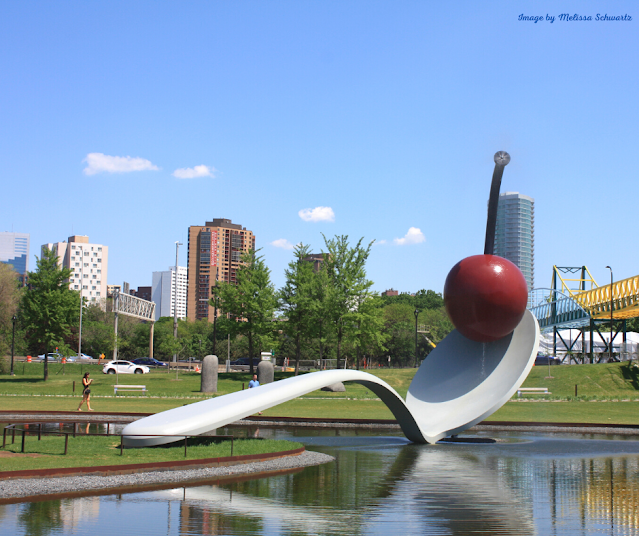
(145, 293)
(164, 292)
(88, 263)
(515, 233)
(14, 250)
(215, 250)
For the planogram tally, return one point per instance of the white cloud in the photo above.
(317, 214)
(379, 242)
(194, 172)
(98, 163)
(413, 236)
(282, 243)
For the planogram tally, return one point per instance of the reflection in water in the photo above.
(382, 485)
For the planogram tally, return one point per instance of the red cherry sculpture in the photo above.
(485, 297)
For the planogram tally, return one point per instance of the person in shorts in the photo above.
(86, 392)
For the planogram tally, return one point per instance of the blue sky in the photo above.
(386, 114)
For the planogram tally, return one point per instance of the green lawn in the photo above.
(569, 411)
(605, 380)
(91, 451)
(613, 385)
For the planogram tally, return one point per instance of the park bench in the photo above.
(533, 391)
(117, 388)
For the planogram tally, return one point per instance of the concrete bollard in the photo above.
(265, 372)
(209, 374)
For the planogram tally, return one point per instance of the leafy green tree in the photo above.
(297, 300)
(9, 299)
(49, 308)
(437, 323)
(347, 284)
(368, 335)
(250, 303)
(422, 300)
(428, 299)
(399, 326)
(98, 336)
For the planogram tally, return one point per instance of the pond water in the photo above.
(525, 484)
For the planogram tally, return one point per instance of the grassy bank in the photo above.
(91, 451)
(614, 386)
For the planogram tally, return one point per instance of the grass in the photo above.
(569, 411)
(91, 451)
(616, 384)
(605, 381)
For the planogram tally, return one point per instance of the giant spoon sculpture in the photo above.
(470, 374)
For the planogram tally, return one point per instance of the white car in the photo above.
(124, 367)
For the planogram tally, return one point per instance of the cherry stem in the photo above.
(501, 161)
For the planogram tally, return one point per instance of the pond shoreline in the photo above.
(38, 489)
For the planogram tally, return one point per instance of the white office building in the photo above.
(164, 290)
(14, 250)
(515, 233)
(88, 263)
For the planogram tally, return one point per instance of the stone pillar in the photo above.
(335, 388)
(265, 372)
(209, 374)
(151, 339)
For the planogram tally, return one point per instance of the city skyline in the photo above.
(365, 119)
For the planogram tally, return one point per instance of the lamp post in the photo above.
(13, 340)
(175, 288)
(611, 309)
(215, 314)
(416, 315)
(81, 301)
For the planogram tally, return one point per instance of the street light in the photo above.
(416, 315)
(81, 300)
(611, 309)
(175, 295)
(13, 340)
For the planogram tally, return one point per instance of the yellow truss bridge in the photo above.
(597, 300)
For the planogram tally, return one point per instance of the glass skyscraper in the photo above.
(14, 250)
(515, 233)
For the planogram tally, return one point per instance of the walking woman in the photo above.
(86, 392)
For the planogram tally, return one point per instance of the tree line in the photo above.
(325, 310)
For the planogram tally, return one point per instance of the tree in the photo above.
(49, 308)
(97, 331)
(399, 326)
(9, 299)
(250, 303)
(298, 301)
(368, 319)
(348, 286)
(422, 300)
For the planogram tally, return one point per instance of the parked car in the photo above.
(245, 361)
(124, 367)
(52, 357)
(546, 360)
(149, 362)
(74, 358)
